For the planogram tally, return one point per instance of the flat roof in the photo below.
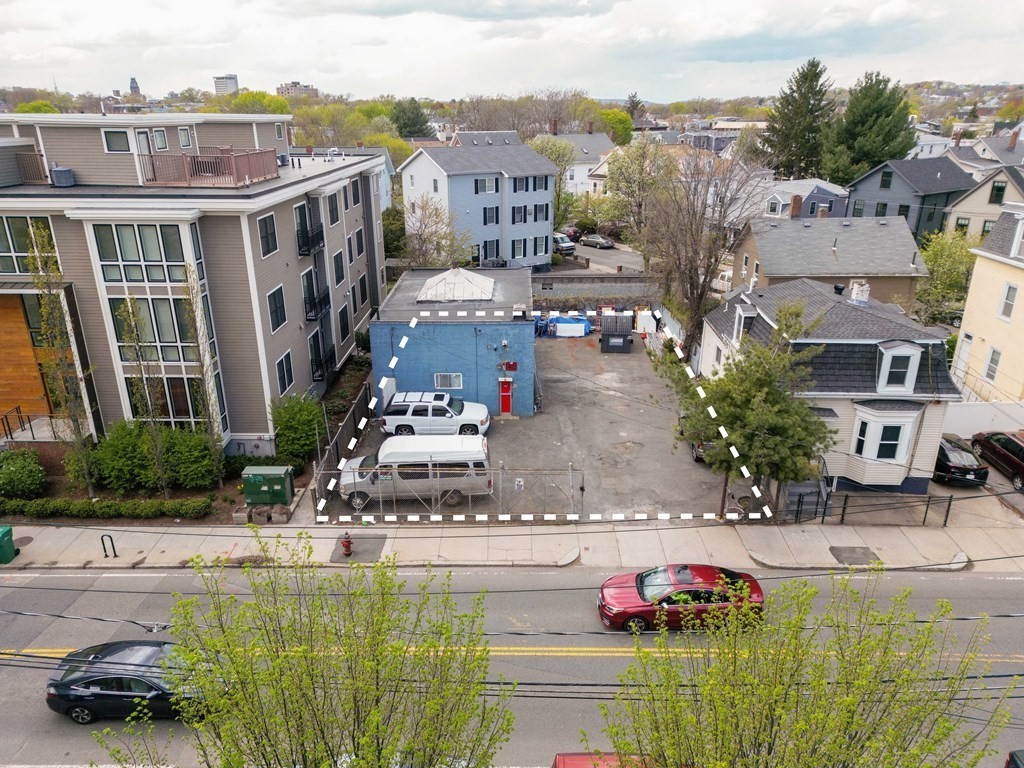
(144, 118)
(513, 291)
(317, 169)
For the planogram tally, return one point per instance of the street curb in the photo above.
(959, 562)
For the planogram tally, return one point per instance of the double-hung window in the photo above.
(858, 209)
(275, 303)
(285, 376)
(1009, 299)
(333, 216)
(518, 214)
(268, 235)
(490, 214)
(540, 212)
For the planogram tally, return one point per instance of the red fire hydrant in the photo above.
(346, 545)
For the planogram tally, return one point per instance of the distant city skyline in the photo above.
(665, 50)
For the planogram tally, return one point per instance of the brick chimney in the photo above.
(822, 211)
(359, 144)
(956, 139)
(1013, 140)
(554, 127)
(795, 204)
(590, 127)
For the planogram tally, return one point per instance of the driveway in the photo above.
(610, 259)
(612, 416)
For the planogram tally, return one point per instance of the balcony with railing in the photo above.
(212, 167)
(309, 240)
(31, 166)
(323, 365)
(319, 305)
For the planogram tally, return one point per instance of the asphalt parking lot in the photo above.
(610, 415)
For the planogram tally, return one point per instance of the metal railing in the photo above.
(17, 425)
(228, 168)
(31, 166)
(325, 364)
(308, 240)
(319, 305)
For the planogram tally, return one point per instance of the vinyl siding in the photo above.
(76, 264)
(235, 323)
(268, 137)
(225, 135)
(173, 145)
(748, 246)
(285, 268)
(83, 151)
(976, 207)
(10, 172)
(6, 131)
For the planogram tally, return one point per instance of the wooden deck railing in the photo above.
(216, 167)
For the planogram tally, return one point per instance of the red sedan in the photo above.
(685, 594)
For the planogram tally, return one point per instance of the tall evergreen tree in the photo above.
(409, 118)
(635, 106)
(798, 125)
(875, 128)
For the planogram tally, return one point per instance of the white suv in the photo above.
(433, 413)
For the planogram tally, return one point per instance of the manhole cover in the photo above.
(365, 549)
(854, 555)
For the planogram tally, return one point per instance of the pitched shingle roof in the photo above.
(804, 187)
(514, 160)
(588, 146)
(849, 334)
(486, 138)
(999, 240)
(933, 175)
(999, 148)
(804, 247)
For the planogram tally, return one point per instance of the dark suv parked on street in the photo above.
(1004, 451)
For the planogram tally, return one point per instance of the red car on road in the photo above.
(684, 594)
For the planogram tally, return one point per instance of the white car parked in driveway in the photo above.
(433, 413)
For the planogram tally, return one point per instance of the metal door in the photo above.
(505, 396)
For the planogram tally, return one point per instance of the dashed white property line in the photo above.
(527, 517)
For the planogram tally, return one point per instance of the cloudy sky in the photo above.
(664, 49)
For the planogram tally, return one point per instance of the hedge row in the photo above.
(141, 509)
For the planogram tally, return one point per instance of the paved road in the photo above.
(611, 258)
(547, 602)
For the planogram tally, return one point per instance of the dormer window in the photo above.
(898, 362)
(742, 321)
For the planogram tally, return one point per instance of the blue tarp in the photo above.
(552, 321)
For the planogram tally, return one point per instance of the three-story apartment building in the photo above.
(285, 257)
(502, 197)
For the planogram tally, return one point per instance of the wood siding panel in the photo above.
(20, 380)
(234, 322)
(237, 135)
(76, 263)
(82, 150)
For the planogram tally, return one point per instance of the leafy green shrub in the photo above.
(363, 341)
(299, 421)
(139, 509)
(124, 460)
(556, 259)
(189, 458)
(21, 475)
(233, 465)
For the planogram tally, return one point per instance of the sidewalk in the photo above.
(606, 545)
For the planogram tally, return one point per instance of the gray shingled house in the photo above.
(918, 190)
(880, 381)
(847, 252)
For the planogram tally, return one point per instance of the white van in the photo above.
(443, 467)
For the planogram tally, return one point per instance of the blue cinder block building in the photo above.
(473, 337)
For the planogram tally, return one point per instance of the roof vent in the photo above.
(882, 222)
(489, 142)
(773, 224)
(507, 141)
(475, 142)
(586, 151)
(846, 223)
(807, 225)
(839, 289)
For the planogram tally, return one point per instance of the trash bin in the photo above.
(268, 485)
(7, 549)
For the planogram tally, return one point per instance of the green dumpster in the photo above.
(7, 549)
(268, 485)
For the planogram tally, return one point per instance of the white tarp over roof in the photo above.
(457, 285)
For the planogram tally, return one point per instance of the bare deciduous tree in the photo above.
(432, 238)
(690, 222)
(635, 174)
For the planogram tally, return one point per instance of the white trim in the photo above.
(284, 304)
(291, 364)
(42, 149)
(328, 197)
(79, 371)
(278, 131)
(143, 120)
(276, 238)
(130, 216)
(1007, 285)
(256, 136)
(875, 421)
(166, 144)
(309, 358)
(261, 344)
(988, 364)
(902, 350)
(108, 323)
(188, 132)
(103, 140)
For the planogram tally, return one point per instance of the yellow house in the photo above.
(976, 212)
(988, 362)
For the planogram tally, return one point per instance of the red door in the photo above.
(505, 396)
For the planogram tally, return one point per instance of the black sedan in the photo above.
(956, 463)
(111, 680)
(597, 241)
